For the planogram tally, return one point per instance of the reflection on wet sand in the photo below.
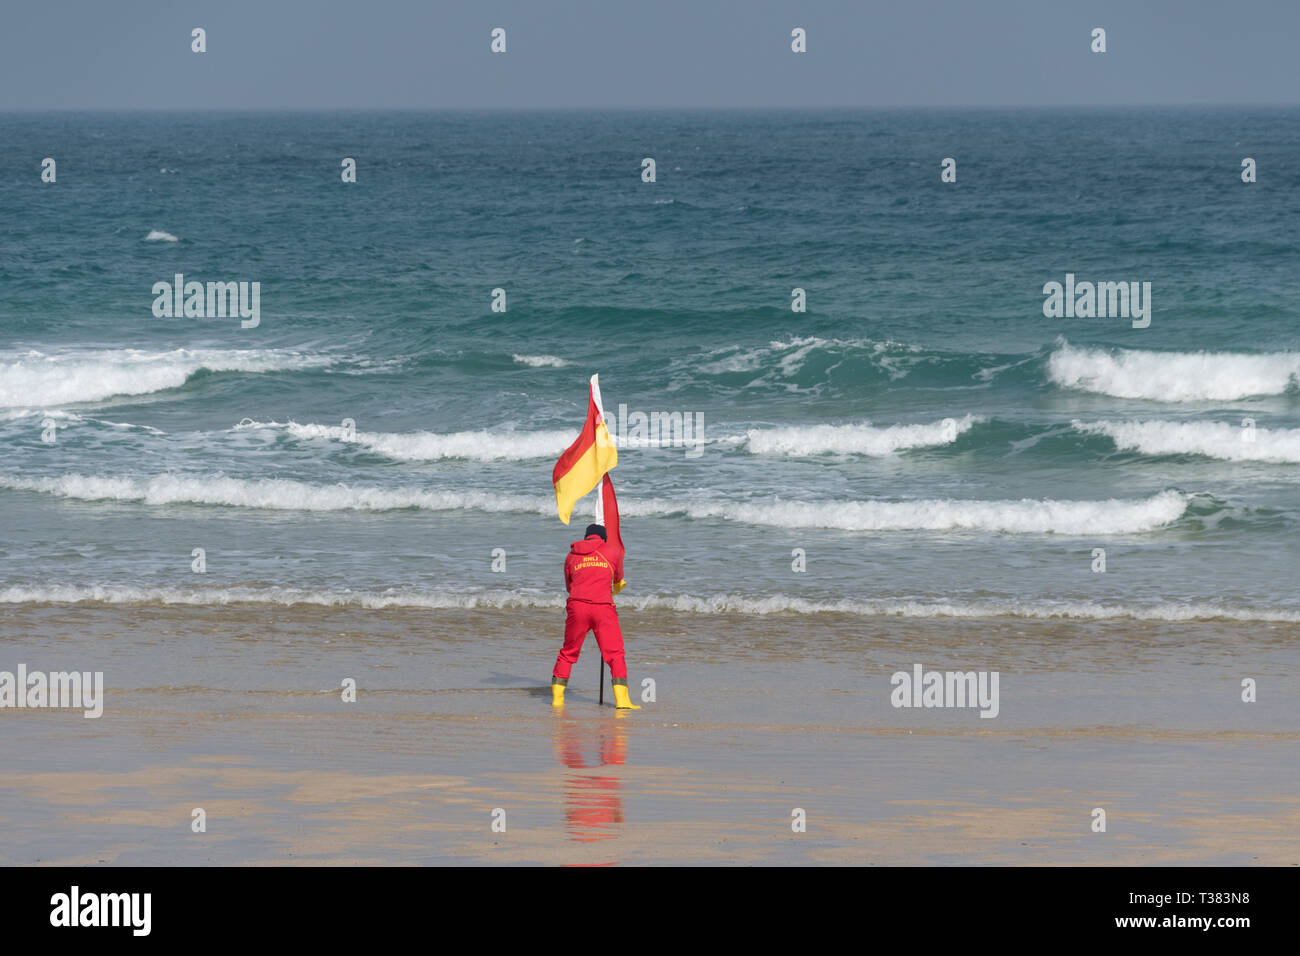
(593, 803)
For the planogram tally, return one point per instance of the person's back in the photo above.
(593, 574)
(591, 569)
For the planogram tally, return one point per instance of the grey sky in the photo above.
(426, 54)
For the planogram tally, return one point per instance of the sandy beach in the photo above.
(754, 717)
(946, 359)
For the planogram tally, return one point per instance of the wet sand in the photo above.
(237, 710)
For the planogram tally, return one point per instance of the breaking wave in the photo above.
(1173, 376)
(684, 603)
(863, 439)
(1025, 516)
(482, 445)
(1221, 440)
(30, 379)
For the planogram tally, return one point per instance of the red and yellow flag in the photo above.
(585, 462)
(607, 515)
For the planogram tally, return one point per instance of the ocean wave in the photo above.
(814, 364)
(15, 414)
(1068, 610)
(1221, 440)
(275, 494)
(1026, 516)
(66, 419)
(540, 361)
(157, 235)
(714, 604)
(788, 356)
(30, 379)
(1173, 376)
(863, 439)
(219, 596)
(483, 445)
(506, 445)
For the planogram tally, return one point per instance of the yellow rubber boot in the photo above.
(621, 700)
(557, 695)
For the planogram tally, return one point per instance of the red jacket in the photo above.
(591, 569)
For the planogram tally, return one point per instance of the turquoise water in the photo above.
(923, 432)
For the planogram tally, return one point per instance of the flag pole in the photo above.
(600, 519)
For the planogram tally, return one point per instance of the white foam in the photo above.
(218, 596)
(540, 361)
(1221, 440)
(862, 439)
(1070, 610)
(482, 445)
(1173, 376)
(14, 414)
(157, 235)
(277, 494)
(789, 355)
(682, 603)
(32, 379)
(65, 419)
(1026, 516)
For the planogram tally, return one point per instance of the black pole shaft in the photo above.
(602, 681)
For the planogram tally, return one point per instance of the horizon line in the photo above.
(954, 107)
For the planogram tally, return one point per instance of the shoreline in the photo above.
(237, 710)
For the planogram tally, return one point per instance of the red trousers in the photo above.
(582, 617)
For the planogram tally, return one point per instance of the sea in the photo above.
(823, 344)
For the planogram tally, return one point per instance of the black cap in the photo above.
(595, 529)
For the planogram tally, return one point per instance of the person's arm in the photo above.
(568, 575)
